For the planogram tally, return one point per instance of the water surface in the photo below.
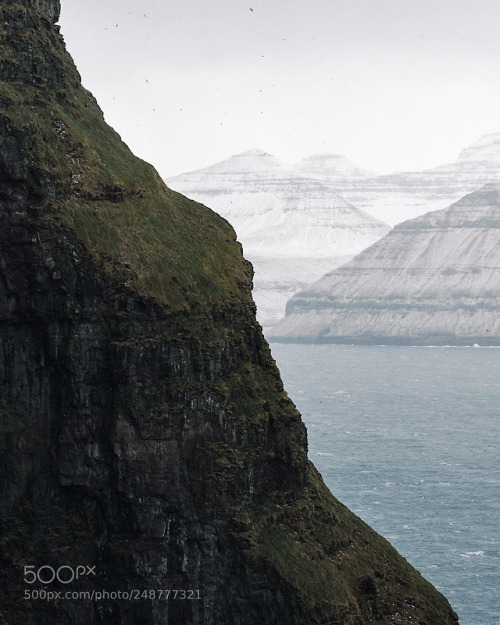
(408, 438)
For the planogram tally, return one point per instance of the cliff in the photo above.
(433, 280)
(147, 443)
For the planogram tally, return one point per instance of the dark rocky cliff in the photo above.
(144, 429)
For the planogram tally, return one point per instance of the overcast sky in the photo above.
(392, 84)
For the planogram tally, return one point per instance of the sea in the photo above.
(409, 439)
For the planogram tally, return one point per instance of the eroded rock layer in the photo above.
(432, 280)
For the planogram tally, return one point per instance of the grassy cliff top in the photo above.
(161, 244)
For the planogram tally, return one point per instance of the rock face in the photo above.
(147, 444)
(401, 196)
(51, 7)
(432, 280)
(293, 227)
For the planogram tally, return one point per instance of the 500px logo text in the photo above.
(64, 574)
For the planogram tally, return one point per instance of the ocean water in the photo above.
(409, 439)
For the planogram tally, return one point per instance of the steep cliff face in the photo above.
(147, 444)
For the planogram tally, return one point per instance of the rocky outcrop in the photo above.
(52, 8)
(293, 227)
(432, 280)
(150, 457)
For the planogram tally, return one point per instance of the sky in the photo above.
(394, 85)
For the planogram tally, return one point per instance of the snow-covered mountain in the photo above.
(431, 280)
(293, 227)
(485, 151)
(397, 197)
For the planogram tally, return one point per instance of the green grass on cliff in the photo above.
(339, 565)
(144, 234)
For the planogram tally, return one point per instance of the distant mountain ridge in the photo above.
(298, 222)
(294, 227)
(334, 167)
(397, 197)
(485, 149)
(432, 280)
(273, 207)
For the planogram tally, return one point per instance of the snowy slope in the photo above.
(397, 197)
(293, 227)
(432, 280)
(486, 151)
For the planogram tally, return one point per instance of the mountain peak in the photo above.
(252, 152)
(484, 149)
(253, 162)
